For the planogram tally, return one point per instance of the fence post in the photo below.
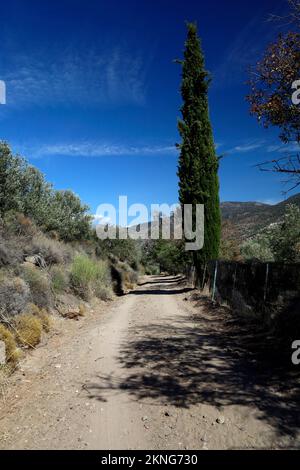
(266, 282)
(234, 280)
(203, 279)
(214, 284)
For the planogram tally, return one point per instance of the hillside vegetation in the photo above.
(250, 217)
(51, 261)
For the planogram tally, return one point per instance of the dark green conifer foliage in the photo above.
(198, 163)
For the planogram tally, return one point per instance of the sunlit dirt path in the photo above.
(155, 370)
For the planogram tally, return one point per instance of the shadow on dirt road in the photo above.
(208, 357)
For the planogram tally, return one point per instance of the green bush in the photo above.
(83, 273)
(59, 279)
(88, 276)
(24, 189)
(152, 270)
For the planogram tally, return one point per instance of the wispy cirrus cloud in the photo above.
(245, 48)
(92, 78)
(93, 149)
(284, 148)
(246, 147)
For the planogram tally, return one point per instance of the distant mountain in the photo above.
(248, 218)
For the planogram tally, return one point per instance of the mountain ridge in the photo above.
(248, 218)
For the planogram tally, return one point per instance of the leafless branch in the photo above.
(289, 165)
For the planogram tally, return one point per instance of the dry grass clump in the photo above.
(42, 314)
(53, 251)
(12, 352)
(18, 224)
(28, 330)
(129, 275)
(104, 292)
(82, 310)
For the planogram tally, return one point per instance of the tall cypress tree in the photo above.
(198, 163)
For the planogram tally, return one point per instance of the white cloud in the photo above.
(117, 78)
(246, 147)
(292, 147)
(93, 149)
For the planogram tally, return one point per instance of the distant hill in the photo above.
(249, 217)
(246, 218)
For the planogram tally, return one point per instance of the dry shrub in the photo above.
(29, 330)
(18, 224)
(14, 294)
(53, 251)
(12, 352)
(129, 285)
(82, 310)
(39, 284)
(42, 315)
(104, 292)
(130, 277)
(5, 254)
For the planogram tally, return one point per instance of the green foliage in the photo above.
(198, 163)
(67, 216)
(59, 279)
(23, 189)
(36, 195)
(285, 239)
(10, 180)
(152, 269)
(124, 250)
(257, 249)
(89, 276)
(83, 272)
(163, 255)
(279, 242)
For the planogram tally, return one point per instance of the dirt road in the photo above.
(153, 370)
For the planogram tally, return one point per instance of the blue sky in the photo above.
(93, 93)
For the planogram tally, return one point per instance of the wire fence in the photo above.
(249, 286)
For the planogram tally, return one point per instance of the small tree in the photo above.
(11, 168)
(36, 195)
(24, 189)
(68, 216)
(270, 98)
(258, 248)
(278, 242)
(285, 240)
